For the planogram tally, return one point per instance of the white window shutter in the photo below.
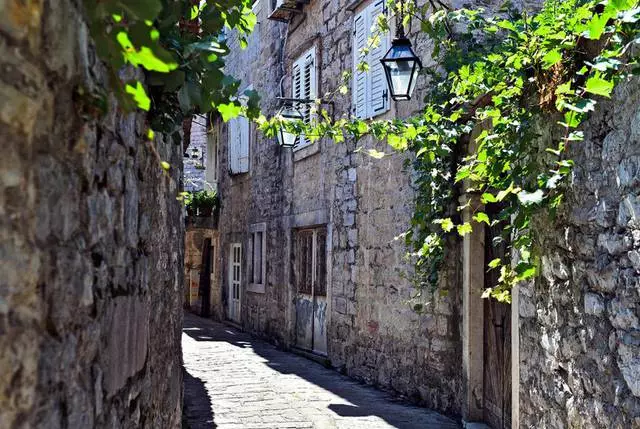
(360, 37)
(370, 94)
(243, 145)
(296, 81)
(377, 81)
(232, 140)
(304, 86)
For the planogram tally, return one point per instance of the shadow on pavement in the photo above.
(364, 400)
(197, 412)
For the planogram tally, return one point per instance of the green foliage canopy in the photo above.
(180, 45)
(497, 82)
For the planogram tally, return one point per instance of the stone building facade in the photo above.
(90, 236)
(308, 255)
(201, 235)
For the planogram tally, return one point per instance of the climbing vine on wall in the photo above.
(180, 46)
(495, 82)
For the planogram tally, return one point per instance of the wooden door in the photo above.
(497, 343)
(205, 279)
(235, 282)
(310, 271)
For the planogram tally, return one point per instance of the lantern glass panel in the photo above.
(288, 113)
(401, 67)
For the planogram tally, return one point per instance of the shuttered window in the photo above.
(238, 145)
(370, 94)
(304, 86)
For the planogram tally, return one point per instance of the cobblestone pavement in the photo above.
(234, 381)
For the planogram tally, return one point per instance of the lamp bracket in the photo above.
(320, 101)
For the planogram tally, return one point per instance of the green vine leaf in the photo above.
(139, 95)
(464, 229)
(552, 58)
(229, 111)
(598, 86)
(482, 217)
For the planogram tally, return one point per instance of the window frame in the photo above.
(254, 231)
(317, 263)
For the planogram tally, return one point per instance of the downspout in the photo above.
(282, 66)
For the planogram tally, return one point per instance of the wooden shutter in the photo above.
(233, 147)
(304, 85)
(360, 36)
(243, 144)
(370, 95)
(238, 145)
(377, 81)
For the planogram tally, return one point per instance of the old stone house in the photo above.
(306, 251)
(201, 235)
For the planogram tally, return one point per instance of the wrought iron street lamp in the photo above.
(288, 113)
(401, 65)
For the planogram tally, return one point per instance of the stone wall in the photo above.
(195, 156)
(577, 360)
(373, 334)
(90, 236)
(257, 196)
(579, 328)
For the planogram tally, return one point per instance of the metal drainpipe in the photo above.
(284, 72)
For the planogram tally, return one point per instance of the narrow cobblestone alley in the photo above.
(234, 381)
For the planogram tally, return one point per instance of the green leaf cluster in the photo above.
(180, 45)
(497, 84)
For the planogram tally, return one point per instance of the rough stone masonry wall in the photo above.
(256, 196)
(90, 240)
(579, 328)
(373, 334)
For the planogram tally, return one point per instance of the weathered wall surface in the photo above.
(195, 156)
(197, 231)
(257, 196)
(90, 240)
(373, 334)
(579, 328)
(579, 347)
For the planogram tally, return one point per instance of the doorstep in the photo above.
(321, 359)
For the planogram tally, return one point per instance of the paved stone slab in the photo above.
(234, 381)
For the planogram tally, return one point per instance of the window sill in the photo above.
(306, 151)
(255, 288)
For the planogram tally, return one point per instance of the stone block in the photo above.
(18, 110)
(351, 174)
(593, 304)
(629, 362)
(127, 342)
(20, 19)
(622, 315)
(634, 257)
(349, 219)
(614, 244)
(629, 211)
